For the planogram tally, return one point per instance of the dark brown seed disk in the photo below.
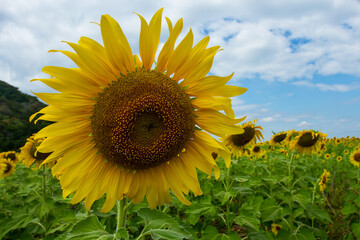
(307, 140)
(279, 138)
(242, 139)
(142, 120)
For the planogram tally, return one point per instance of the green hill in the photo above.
(15, 109)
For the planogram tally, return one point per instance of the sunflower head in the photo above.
(29, 152)
(12, 155)
(6, 167)
(325, 177)
(125, 126)
(278, 138)
(275, 228)
(355, 158)
(307, 141)
(237, 142)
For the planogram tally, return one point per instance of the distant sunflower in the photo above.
(339, 158)
(256, 150)
(29, 154)
(237, 142)
(327, 156)
(6, 167)
(130, 130)
(307, 141)
(275, 228)
(278, 138)
(325, 177)
(355, 158)
(12, 155)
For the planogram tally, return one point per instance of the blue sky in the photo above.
(300, 60)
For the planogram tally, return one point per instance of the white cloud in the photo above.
(268, 119)
(304, 124)
(329, 87)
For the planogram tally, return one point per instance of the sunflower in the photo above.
(278, 138)
(339, 158)
(6, 167)
(128, 129)
(12, 155)
(325, 177)
(307, 141)
(237, 142)
(275, 228)
(355, 158)
(29, 154)
(256, 150)
(327, 156)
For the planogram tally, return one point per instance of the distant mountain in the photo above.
(15, 109)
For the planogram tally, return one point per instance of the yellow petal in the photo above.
(227, 91)
(180, 54)
(116, 45)
(217, 123)
(216, 103)
(168, 47)
(208, 83)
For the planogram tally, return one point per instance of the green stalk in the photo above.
(227, 187)
(44, 181)
(122, 207)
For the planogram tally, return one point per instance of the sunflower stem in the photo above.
(44, 181)
(228, 202)
(122, 207)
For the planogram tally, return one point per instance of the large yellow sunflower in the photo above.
(127, 129)
(355, 158)
(29, 154)
(7, 167)
(307, 141)
(237, 142)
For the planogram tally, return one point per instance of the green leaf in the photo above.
(349, 209)
(220, 237)
(193, 218)
(355, 227)
(269, 210)
(161, 225)
(314, 211)
(258, 236)
(89, 228)
(305, 234)
(209, 232)
(122, 233)
(249, 221)
(199, 208)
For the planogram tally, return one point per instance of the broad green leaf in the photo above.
(305, 234)
(349, 209)
(89, 228)
(193, 218)
(209, 232)
(221, 237)
(199, 208)
(258, 236)
(314, 211)
(161, 225)
(355, 227)
(269, 210)
(249, 221)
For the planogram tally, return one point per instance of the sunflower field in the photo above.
(269, 192)
(147, 146)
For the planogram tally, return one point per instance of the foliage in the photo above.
(279, 188)
(15, 110)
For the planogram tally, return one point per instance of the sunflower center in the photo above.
(243, 138)
(39, 156)
(142, 120)
(307, 140)
(280, 137)
(12, 156)
(357, 157)
(256, 149)
(8, 168)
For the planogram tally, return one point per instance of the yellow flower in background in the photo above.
(29, 154)
(275, 228)
(278, 138)
(127, 129)
(7, 167)
(327, 156)
(325, 177)
(12, 155)
(237, 142)
(307, 141)
(339, 158)
(355, 158)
